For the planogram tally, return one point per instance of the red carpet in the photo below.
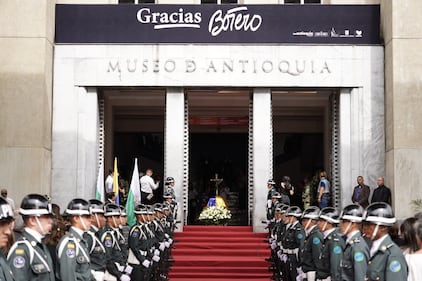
(213, 253)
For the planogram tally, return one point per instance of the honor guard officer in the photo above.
(312, 246)
(328, 266)
(356, 254)
(386, 259)
(169, 187)
(6, 230)
(271, 191)
(72, 250)
(139, 246)
(124, 228)
(293, 241)
(29, 258)
(117, 269)
(96, 249)
(275, 242)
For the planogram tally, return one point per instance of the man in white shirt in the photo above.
(148, 185)
(109, 182)
(8, 199)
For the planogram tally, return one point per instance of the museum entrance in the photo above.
(218, 150)
(218, 141)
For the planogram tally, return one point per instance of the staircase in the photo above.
(211, 253)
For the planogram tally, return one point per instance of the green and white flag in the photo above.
(99, 192)
(134, 196)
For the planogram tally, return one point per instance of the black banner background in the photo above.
(313, 24)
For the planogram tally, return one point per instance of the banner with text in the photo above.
(213, 24)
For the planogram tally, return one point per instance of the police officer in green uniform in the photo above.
(275, 241)
(117, 269)
(96, 249)
(139, 246)
(386, 261)
(292, 242)
(271, 191)
(72, 249)
(169, 187)
(356, 254)
(328, 265)
(6, 230)
(312, 245)
(29, 258)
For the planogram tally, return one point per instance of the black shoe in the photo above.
(269, 259)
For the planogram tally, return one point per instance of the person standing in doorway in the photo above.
(109, 182)
(148, 185)
(381, 193)
(361, 193)
(324, 191)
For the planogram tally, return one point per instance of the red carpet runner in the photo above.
(211, 253)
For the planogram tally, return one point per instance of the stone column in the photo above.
(400, 25)
(345, 142)
(26, 73)
(262, 153)
(75, 143)
(174, 146)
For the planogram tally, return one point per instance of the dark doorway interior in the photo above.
(148, 148)
(299, 156)
(227, 156)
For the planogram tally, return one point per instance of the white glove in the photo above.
(170, 241)
(273, 245)
(128, 269)
(146, 263)
(300, 274)
(167, 244)
(166, 235)
(156, 252)
(162, 247)
(124, 277)
(119, 267)
(156, 258)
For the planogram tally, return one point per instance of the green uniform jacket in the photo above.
(96, 250)
(355, 259)
(139, 244)
(73, 256)
(114, 253)
(330, 258)
(30, 260)
(5, 272)
(388, 263)
(311, 250)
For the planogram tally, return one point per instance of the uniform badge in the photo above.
(394, 266)
(71, 246)
(19, 262)
(300, 236)
(39, 268)
(70, 253)
(337, 250)
(19, 251)
(108, 242)
(358, 257)
(316, 241)
(33, 243)
(135, 233)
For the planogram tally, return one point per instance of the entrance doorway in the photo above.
(224, 156)
(218, 147)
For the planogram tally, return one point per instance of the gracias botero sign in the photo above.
(211, 24)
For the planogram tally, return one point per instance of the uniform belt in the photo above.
(291, 251)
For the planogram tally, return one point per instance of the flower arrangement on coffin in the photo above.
(215, 215)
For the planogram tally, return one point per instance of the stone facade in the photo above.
(26, 99)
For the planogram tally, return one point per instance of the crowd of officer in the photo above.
(97, 246)
(325, 244)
